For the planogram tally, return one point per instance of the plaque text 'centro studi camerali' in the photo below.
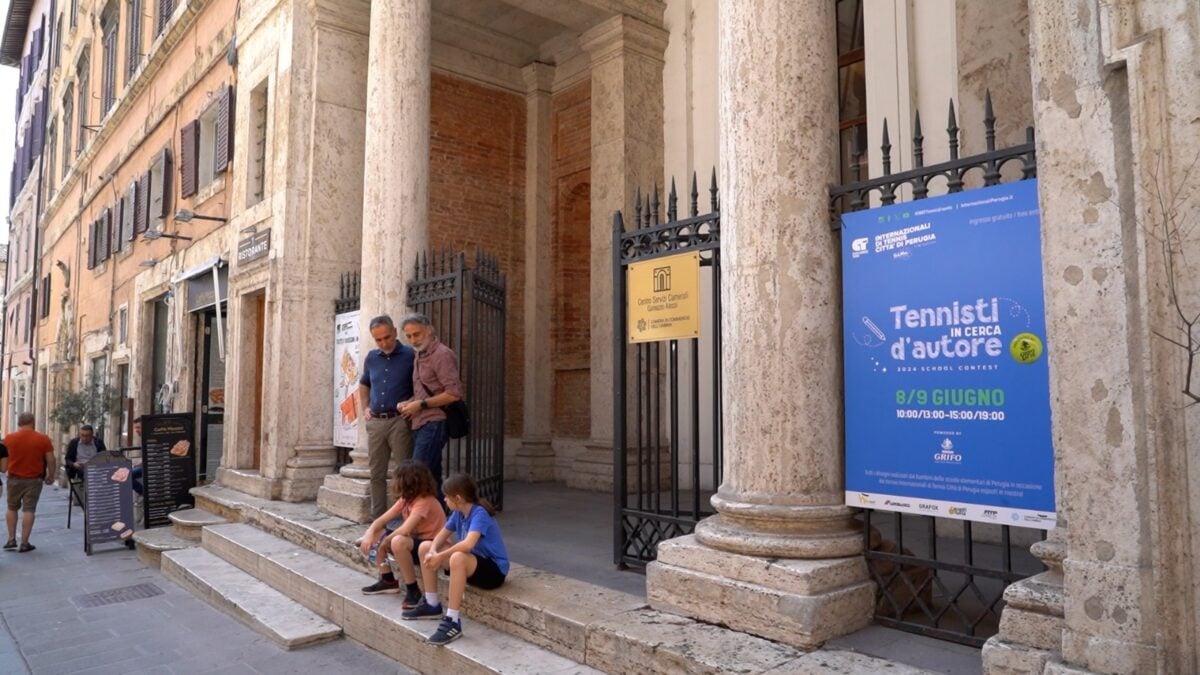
(664, 298)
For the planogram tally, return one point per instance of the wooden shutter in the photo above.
(117, 240)
(91, 245)
(189, 157)
(165, 205)
(129, 214)
(105, 236)
(46, 296)
(141, 204)
(165, 9)
(223, 153)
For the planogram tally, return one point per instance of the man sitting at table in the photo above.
(81, 450)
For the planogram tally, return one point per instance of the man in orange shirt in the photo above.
(30, 463)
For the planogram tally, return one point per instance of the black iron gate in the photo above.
(937, 576)
(467, 307)
(664, 468)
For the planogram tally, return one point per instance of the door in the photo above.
(210, 397)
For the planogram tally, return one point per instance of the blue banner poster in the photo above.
(947, 390)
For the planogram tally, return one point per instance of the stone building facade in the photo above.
(353, 135)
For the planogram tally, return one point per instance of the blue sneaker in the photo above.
(423, 610)
(448, 631)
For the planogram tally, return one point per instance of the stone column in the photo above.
(627, 155)
(535, 457)
(782, 559)
(395, 196)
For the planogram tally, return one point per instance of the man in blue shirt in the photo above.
(386, 381)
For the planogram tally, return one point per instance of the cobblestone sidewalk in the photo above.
(43, 628)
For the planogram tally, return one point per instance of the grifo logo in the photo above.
(947, 455)
(1026, 348)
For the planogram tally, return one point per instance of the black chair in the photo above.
(76, 496)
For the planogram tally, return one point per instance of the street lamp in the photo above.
(186, 216)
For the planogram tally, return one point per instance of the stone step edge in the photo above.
(187, 523)
(636, 641)
(332, 591)
(151, 544)
(555, 623)
(257, 605)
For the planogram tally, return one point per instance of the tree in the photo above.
(91, 404)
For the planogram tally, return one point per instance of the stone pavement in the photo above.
(43, 631)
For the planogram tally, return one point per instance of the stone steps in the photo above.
(309, 555)
(151, 544)
(332, 591)
(251, 601)
(187, 523)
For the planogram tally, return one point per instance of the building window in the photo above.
(74, 12)
(158, 359)
(133, 37)
(160, 186)
(165, 9)
(68, 105)
(257, 176)
(122, 325)
(205, 145)
(82, 74)
(51, 149)
(46, 296)
(852, 89)
(108, 81)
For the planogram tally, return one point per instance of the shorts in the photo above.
(23, 493)
(487, 574)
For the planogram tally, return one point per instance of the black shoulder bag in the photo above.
(458, 416)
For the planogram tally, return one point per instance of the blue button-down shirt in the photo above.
(389, 377)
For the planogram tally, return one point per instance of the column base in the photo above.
(534, 462)
(305, 472)
(802, 603)
(1004, 658)
(1032, 623)
(781, 531)
(346, 497)
(249, 481)
(593, 470)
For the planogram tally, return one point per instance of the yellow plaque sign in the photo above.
(663, 302)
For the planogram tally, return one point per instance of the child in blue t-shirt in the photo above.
(478, 556)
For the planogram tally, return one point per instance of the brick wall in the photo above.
(477, 198)
(571, 319)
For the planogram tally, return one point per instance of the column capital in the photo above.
(539, 78)
(623, 33)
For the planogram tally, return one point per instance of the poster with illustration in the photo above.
(347, 364)
(944, 331)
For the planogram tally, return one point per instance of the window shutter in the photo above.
(114, 228)
(92, 245)
(223, 153)
(165, 8)
(104, 236)
(46, 296)
(141, 204)
(117, 240)
(129, 212)
(189, 156)
(165, 204)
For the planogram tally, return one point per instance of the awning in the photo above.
(207, 283)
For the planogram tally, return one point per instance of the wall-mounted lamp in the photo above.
(186, 216)
(90, 127)
(151, 235)
(148, 263)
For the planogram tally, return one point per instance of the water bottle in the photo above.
(374, 551)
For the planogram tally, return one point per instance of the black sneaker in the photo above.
(10, 544)
(381, 586)
(448, 631)
(422, 611)
(412, 598)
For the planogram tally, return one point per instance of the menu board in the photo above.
(168, 465)
(108, 508)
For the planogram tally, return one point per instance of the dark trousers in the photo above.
(428, 442)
